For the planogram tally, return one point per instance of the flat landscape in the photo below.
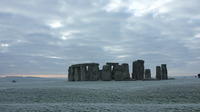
(59, 95)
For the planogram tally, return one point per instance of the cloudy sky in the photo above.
(46, 36)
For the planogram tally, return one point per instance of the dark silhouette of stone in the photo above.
(70, 74)
(84, 72)
(198, 75)
(113, 69)
(121, 72)
(158, 73)
(164, 71)
(106, 74)
(138, 70)
(126, 75)
(147, 74)
(93, 71)
(118, 75)
(77, 75)
(161, 72)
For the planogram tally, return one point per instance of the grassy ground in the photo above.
(43, 95)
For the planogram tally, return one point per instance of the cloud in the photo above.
(138, 7)
(55, 24)
(46, 36)
(68, 34)
(4, 45)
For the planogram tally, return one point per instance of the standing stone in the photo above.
(93, 70)
(87, 73)
(77, 76)
(198, 75)
(125, 68)
(118, 76)
(106, 73)
(83, 73)
(138, 70)
(164, 71)
(147, 74)
(70, 74)
(113, 69)
(158, 73)
(121, 72)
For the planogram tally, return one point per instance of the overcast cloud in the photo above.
(46, 36)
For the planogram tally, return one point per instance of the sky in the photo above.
(41, 37)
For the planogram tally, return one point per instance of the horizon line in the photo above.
(62, 75)
(36, 75)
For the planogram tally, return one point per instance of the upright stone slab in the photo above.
(125, 68)
(113, 69)
(83, 73)
(96, 71)
(118, 75)
(87, 73)
(70, 74)
(147, 74)
(106, 73)
(158, 73)
(77, 75)
(93, 70)
(138, 70)
(121, 72)
(164, 71)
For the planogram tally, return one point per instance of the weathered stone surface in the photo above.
(119, 72)
(147, 74)
(70, 74)
(138, 70)
(84, 72)
(158, 73)
(164, 71)
(113, 69)
(118, 75)
(106, 73)
(77, 75)
(93, 70)
(126, 75)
